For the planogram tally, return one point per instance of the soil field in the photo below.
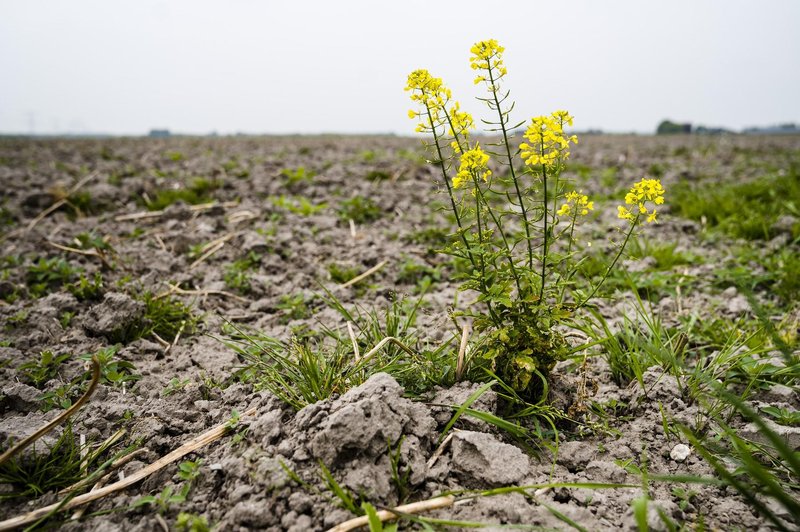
(201, 271)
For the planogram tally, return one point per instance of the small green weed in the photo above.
(298, 175)
(783, 416)
(186, 522)
(401, 476)
(341, 274)
(298, 205)
(39, 372)
(164, 500)
(76, 204)
(234, 168)
(174, 385)
(66, 319)
(163, 316)
(199, 191)
(378, 175)
(62, 396)
(359, 209)
(421, 276)
(430, 236)
(294, 307)
(237, 274)
(17, 319)
(188, 471)
(86, 289)
(45, 275)
(113, 371)
(6, 218)
(90, 240)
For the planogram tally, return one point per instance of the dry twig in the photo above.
(382, 343)
(86, 252)
(211, 248)
(364, 275)
(439, 450)
(352, 229)
(156, 214)
(357, 355)
(387, 515)
(177, 337)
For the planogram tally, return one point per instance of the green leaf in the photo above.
(375, 524)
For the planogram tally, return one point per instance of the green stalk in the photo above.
(613, 263)
(447, 183)
(492, 313)
(572, 230)
(569, 249)
(502, 235)
(558, 174)
(511, 168)
(544, 219)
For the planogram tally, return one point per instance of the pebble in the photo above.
(680, 452)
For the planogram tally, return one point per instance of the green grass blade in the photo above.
(463, 408)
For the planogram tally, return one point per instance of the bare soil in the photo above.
(243, 484)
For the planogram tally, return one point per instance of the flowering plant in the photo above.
(516, 223)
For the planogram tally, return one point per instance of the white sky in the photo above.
(196, 66)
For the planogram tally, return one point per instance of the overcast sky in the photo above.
(265, 66)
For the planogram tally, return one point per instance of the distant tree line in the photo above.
(668, 127)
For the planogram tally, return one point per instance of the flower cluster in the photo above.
(577, 201)
(488, 56)
(460, 124)
(646, 190)
(549, 144)
(473, 163)
(431, 93)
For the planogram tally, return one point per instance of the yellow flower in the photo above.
(488, 55)
(579, 201)
(549, 145)
(460, 122)
(564, 117)
(473, 163)
(431, 93)
(646, 190)
(625, 214)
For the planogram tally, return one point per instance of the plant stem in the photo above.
(571, 231)
(511, 169)
(613, 263)
(492, 313)
(569, 251)
(497, 223)
(544, 219)
(447, 183)
(557, 175)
